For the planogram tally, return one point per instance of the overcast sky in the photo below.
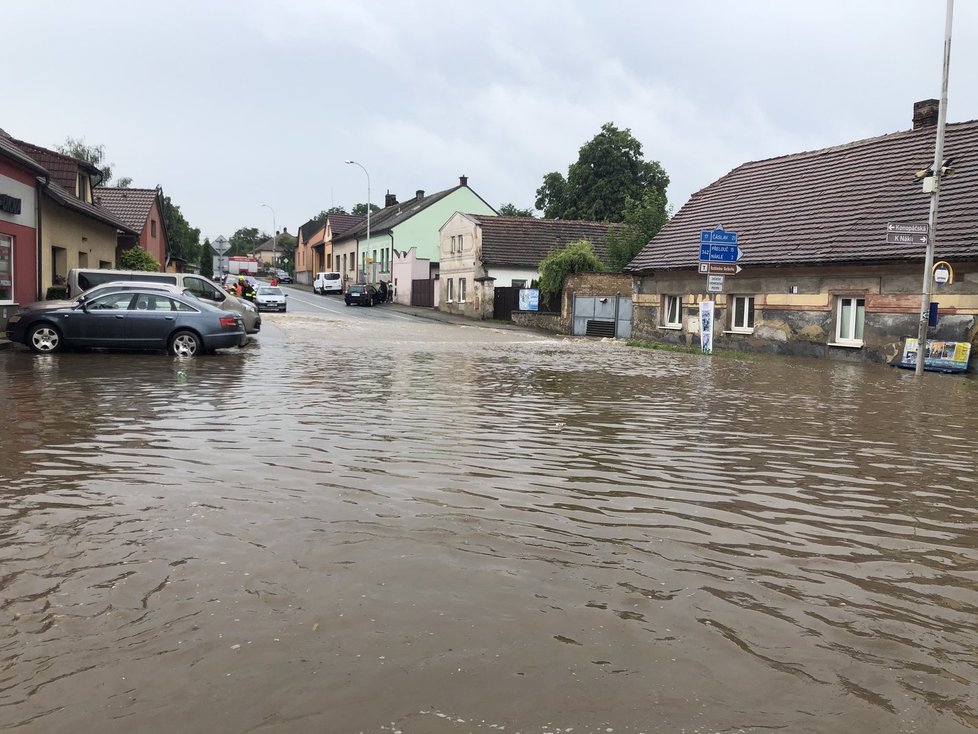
(228, 104)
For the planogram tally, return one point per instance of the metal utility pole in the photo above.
(274, 236)
(934, 194)
(368, 219)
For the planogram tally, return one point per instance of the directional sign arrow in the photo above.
(898, 238)
(908, 228)
(720, 253)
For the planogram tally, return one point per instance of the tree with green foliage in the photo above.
(245, 240)
(205, 258)
(642, 221)
(511, 210)
(610, 170)
(136, 258)
(184, 240)
(321, 217)
(360, 210)
(577, 257)
(94, 154)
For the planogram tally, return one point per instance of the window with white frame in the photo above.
(453, 244)
(742, 313)
(448, 290)
(672, 311)
(849, 322)
(6, 268)
(461, 290)
(460, 242)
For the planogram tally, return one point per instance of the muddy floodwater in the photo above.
(396, 525)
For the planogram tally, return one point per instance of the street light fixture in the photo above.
(274, 234)
(354, 163)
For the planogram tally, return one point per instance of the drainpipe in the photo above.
(39, 242)
(617, 299)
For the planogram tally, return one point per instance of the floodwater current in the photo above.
(407, 526)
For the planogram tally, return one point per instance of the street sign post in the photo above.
(221, 245)
(719, 254)
(709, 268)
(901, 238)
(918, 228)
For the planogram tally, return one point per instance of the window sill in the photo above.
(672, 327)
(738, 331)
(847, 345)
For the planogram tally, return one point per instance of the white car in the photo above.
(270, 298)
(327, 283)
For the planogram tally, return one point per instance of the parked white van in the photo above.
(327, 283)
(81, 279)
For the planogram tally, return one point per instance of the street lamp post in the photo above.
(368, 213)
(274, 234)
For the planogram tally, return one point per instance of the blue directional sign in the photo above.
(718, 236)
(720, 253)
(718, 246)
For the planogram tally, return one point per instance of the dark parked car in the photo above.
(282, 277)
(362, 295)
(137, 319)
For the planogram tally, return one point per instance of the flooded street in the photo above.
(396, 525)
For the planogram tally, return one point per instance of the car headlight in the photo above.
(251, 306)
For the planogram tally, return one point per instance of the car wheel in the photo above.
(185, 344)
(44, 339)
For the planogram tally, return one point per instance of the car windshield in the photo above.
(268, 290)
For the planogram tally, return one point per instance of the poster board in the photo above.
(940, 356)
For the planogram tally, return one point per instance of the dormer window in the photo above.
(84, 187)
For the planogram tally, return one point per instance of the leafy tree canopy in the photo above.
(136, 258)
(610, 169)
(184, 239)
(642, 221)
(511, 210)
(321, 217)
(94, 154)
(577, 257)
(245, 240)
(360, 210)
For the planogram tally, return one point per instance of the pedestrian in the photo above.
(240, 289)
(274, 280)
(383, 290)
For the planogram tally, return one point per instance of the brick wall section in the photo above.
(582, 284)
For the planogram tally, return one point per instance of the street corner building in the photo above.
(823, 262)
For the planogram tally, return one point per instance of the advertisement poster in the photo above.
(940, 355)
(706, 326)
(529, 299)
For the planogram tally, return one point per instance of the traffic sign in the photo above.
(720, 268)
(221, 245)
(899, 238)
(718, 236)
(714, 283)
(719, 253)
(923, 228)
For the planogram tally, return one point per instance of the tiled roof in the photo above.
(63, 168)
(831, 205)
(70, 201)
(389, 217)
(132, 206)
(525, 241)
(10, 150)
(342, 223)
(308, 229)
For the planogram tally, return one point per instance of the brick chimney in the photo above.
(420, 194)
(463, 180)
(390, 200)
(925, 113)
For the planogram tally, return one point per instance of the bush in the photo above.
(577, 257)
(136, 258)
(56, 293)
